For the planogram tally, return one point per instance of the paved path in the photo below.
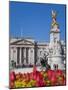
(25, 70)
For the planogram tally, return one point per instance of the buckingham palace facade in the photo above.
(26, 51)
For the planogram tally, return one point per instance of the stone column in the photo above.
(27, 55)
(15, 55)
(31, 56)
(18, 55)
(35, 53)
(24, 56)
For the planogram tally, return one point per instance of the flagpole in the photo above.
(21, 32)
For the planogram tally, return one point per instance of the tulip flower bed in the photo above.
(37, 79)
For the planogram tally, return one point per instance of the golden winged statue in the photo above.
(54, 14)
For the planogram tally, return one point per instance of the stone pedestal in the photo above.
(57, 60)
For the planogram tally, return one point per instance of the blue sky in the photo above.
(34, 20)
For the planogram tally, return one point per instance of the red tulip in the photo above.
(34, 69)
(38, 78)
(27, 77)
(42, 83)
(11, 84)
(12, 76)
(59, 72)
(39, 82)
(53, 80)
(17, 76)
(50, 73)
(35, 76)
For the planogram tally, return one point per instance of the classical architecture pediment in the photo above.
(22, 42)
